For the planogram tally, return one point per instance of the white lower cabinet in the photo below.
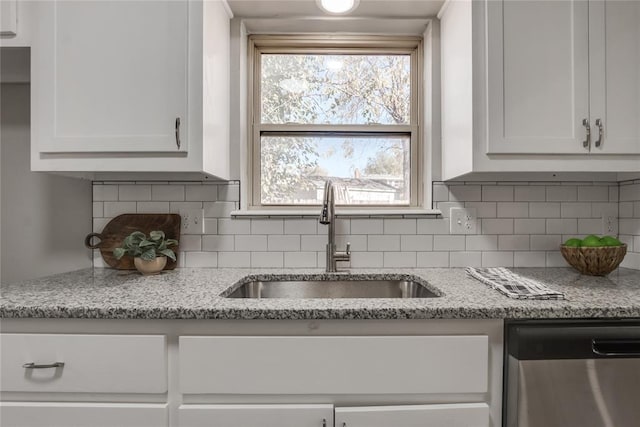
(59, 414)
(449, 415)
(256, 415)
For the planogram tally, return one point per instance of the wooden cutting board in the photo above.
(121, 226)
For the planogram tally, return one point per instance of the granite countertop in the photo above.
(194, 293)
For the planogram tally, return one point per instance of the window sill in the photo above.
(343, 213)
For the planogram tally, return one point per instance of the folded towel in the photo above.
(513, 285)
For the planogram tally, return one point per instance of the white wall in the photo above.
(43, 218)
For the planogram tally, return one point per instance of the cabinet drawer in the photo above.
(59, 414)
(449, 415)
(334, 365)
(256, 415)
(92, 363)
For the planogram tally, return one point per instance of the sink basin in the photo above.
(332, 286)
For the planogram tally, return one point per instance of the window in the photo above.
(339, 108)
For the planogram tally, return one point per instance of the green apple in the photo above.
(610, 241)
(592, 242)
(573, 243)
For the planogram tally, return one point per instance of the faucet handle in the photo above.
(348, 251)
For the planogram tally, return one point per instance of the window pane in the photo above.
(335, 89)
(368, 170)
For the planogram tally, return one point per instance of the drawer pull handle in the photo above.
(600, 132)
(324, 422)
(34, 366)
(587, 142)
(178, 132)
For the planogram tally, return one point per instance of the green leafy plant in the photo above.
(138, 245)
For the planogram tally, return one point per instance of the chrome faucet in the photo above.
(328, 216)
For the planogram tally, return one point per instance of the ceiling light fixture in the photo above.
(338, 7)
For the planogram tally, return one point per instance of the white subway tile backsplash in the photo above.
(167, 193)
(220, 210)
(465, 259)
(631, 260)
(513, 210)
(530, 193)
(448, 243)
(546, 242)
(514, 242)
(366, 259)
(202, 193)
(381, 243)
(112, 209)
(136, 193)
(251, 243)
(544, 210)
(98, 209)
(529, 259)
(465, 193)
(367, 226)
(575, 210)
(267, 259)
(234, 226)
(481, 242)
(497, 259)
(285, 243)
(529, 226)
(267, 226)
(99, 224)
(301, 226)
(300, 259)
(190, 243)
(313, 242)
(418, 243)
(497, 226)
(433, 226)
(520, 224)
(234, 259)
(592, 193)
(215, 243)
(400, 226)
(103, 193)
(201, 259)
(399, 259)
(432, 259)
(562, 193)
(152, 207)
(497, 193)
(483, 209)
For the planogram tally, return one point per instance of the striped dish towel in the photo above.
(512, 284)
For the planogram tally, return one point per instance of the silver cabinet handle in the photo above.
(324, 422)
(178, 132)
(600, 132)
(587, 142)
(34, 366)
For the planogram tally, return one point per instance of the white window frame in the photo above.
(327, 44)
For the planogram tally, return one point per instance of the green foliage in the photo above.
(138, 245)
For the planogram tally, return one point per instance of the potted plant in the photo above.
(149, 253)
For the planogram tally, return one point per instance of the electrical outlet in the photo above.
(463, 221)
(192, 221)
(609, 225)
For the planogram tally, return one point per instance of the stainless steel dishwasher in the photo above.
(572, 374)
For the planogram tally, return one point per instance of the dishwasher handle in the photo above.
(616, 347)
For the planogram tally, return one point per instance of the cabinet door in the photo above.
(60, 414)
(449, 415)
(109, 76)
(614, 43)
(538, 76)
(8, 17)
(256, 415)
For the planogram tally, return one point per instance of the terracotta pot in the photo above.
(154, 266)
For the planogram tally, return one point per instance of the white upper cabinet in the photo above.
(538, 76)
(112, 76)
(548, 86)
(614, 42)
(120, 86)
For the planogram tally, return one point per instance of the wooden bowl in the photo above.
(598, 261)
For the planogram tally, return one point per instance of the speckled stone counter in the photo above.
(195, 294)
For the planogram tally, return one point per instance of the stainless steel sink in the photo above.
(326, 286)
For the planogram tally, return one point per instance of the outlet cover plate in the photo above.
(609, 225)
(464, 221)
(192, 221)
